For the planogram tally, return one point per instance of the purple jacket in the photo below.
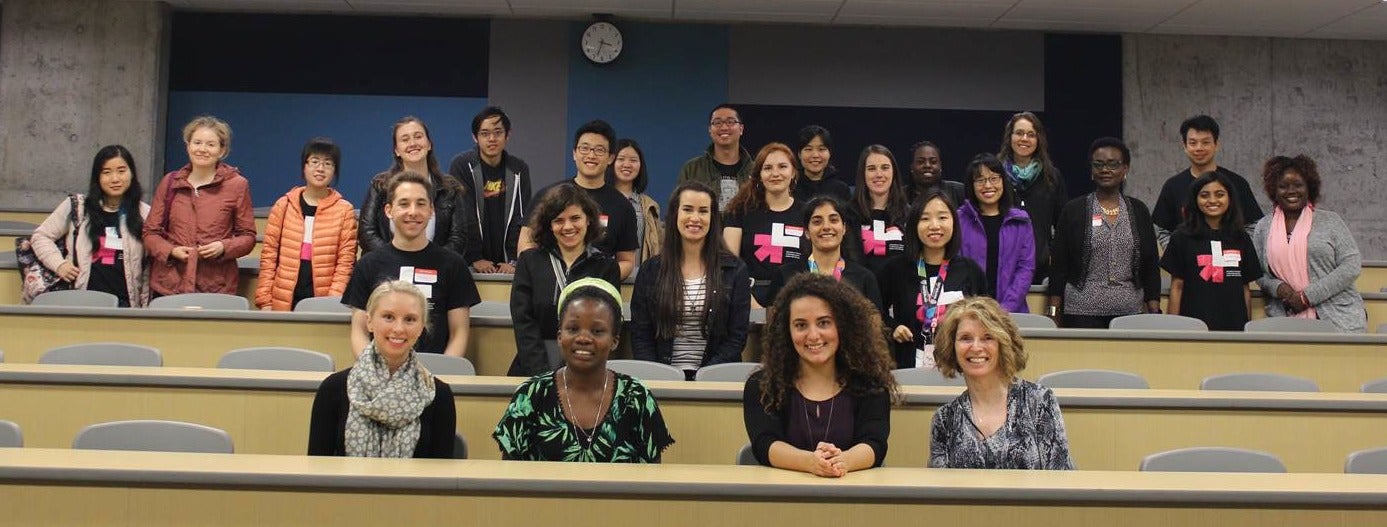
(1015, 256)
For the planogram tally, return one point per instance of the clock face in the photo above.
(602, 42)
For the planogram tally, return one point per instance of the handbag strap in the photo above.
(73, 222)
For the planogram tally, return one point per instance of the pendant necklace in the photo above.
(584, 437)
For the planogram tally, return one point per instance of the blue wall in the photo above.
(658, 92)
(269, 130)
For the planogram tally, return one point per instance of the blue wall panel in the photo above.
(658, 92)
(269, 130)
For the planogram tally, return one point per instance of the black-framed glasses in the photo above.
(994, 181)
(719, 123)
(586, 150)
(1109, 165)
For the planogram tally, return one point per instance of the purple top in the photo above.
(1015, 256)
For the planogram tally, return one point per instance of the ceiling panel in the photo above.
(1279, 17)
(942, 10)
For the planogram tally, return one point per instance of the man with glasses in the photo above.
(592, 153)
(1200, 135)
(498, 184)
(726, 164)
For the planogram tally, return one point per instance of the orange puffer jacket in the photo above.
(334, 249)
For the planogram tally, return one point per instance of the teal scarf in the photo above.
(1022, 177)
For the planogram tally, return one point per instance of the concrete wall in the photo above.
(1324, 98)
(76, 75)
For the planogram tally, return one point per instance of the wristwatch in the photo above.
(1052, 311)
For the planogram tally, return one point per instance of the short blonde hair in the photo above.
(218, 126)
(403, 287)
(1011, 350)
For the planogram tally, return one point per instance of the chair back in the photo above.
(76, 298)
(103, 354)
(153, 436)
(1212, 459)
(440, 364)
(1158, 321)
(646, 370)
(1259, 382)
(1370, 461)
(276, 358)
(1377, 386)
(17, 225)
(459, 446)
(1289, 325)
(322, 304)
(201, 301)
(745, 457)
(491, 308)
(727, 372)
(1032, 320)
(10, 435)
(1101, 379)
(925, 377)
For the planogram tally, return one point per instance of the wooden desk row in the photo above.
(59, 487)
(268, 413)
(1167, 359)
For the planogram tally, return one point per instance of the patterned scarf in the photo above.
(1022, 177)
(383, 417)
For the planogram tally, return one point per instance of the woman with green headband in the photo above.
(583, 411)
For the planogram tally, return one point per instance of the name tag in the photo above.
(1097, 220)
(924, 358)
(602, 219)
(949, 297)
(425, 276)
(112, 240)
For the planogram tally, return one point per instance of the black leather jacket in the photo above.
(450, 210)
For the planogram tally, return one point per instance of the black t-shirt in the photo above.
(617, 216)
(729, 171)
(303, 288)
(1217, 300)
(992, 228)
(769, 239)
(494, 213)
(108, 265)
(440, 273)
(1169, 210)
(881, 240)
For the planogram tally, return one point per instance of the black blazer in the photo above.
(1071, 253)
(902, 285)
(328, 425)
(725, 341)
(534, 311)
(451, 212)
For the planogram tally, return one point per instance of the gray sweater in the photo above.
(1334, 267)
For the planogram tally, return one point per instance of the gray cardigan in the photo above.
(1334, 266)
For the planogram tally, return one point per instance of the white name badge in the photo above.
(1232, 257)
(112, 240)
(924, 358)
(425, 276)
(407, 273)
(949, 297)
(1097, 220)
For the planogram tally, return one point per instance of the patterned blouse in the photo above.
(1110, 288)
(534, 428)
(1032, 437)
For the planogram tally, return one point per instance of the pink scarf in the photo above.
(1289, 260)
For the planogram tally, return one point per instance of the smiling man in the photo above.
(726, 164)
(499, 184)
(439, 273)
(592, 153)
(1200, 135)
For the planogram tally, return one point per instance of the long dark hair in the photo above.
(669, 291)
(129, 202)
(897, 206)
(913, 245)
(1042, 146)
(642, 176)
(970, 186)
(1194, 224)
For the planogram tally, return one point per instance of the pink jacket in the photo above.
(55, 230)
(181, 216)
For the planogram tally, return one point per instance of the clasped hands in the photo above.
(207, 251)
(828, 461)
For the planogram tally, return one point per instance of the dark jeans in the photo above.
(1087, 321)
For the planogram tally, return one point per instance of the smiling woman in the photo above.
(765, 221)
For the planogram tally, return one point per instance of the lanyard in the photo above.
(837, 268)
(930, 311)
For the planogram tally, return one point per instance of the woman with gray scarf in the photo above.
(387, 405)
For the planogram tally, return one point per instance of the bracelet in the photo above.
(1304, 300)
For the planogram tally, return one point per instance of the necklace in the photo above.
(1110, 212)
(831, 403)
(584, 437)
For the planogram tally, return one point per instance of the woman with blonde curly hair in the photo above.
(1001, 421)
(823, 346)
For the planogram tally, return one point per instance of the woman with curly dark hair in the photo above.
(823, 346)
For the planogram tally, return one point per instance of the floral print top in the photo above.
(534, 427)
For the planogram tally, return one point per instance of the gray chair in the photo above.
(925, 377)
(1104, 379)
(727, 372)
(76, 298)
(459, 446)
(17, 225)
(1377, 386)
(322, 304)
(745, 457)
(273, 358)
(440, 364)
(103, 354)
(1212, 459)
(1259, 382)
(153, 436)
(10, 435)
(646, 370)
(1032, 320)
(1289, 325)
(1370, 461)
(489, 308)
(1158, 321)
(1382, 328)
(201, 301)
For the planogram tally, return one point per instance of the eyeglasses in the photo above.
(1109, 165)
(987, 181)
(1029, 134)
(587, 149)
(488, 134)
(719, 123)
(320, 163)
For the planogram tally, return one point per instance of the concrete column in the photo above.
(76, 75)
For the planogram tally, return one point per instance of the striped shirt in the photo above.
(689, 342)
